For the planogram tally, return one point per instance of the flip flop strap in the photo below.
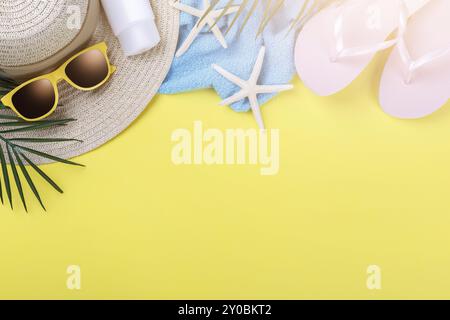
(342, 52)
(413, 65)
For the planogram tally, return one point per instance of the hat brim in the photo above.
(104, 113)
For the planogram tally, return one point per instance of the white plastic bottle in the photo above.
(133, 22)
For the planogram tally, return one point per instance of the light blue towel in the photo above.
(193, 70)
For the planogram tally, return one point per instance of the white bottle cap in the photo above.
(139, 37)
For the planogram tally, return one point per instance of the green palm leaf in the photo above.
(31, 126)
(6, 176)
(16, 176)
(49, 156)
(1, 192)
(28, 178)
(15, 152)
(44, 140)
(8, 117)
(42, 173)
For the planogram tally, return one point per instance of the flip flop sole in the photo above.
(367, 24)
(429, 88)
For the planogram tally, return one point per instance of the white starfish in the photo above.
(209, 19)
(250, 89)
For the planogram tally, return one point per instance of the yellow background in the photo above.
(355, 188)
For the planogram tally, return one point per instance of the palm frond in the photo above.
(7, 84)
(28, 178)
(16, 176)
(42, 173)
(14, 150)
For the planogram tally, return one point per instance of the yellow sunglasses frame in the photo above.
(57, 76)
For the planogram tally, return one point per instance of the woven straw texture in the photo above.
(34, 30)
(103, 113)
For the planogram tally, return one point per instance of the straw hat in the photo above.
(36, 36)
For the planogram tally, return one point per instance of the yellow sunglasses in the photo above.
(38, 98)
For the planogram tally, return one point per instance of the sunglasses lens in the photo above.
(88, 70)
(35, 100)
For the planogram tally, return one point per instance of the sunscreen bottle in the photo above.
(133, 22)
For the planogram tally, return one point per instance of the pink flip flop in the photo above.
(416, 79)
(337, 44)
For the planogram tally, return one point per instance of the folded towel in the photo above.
(193, 70)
